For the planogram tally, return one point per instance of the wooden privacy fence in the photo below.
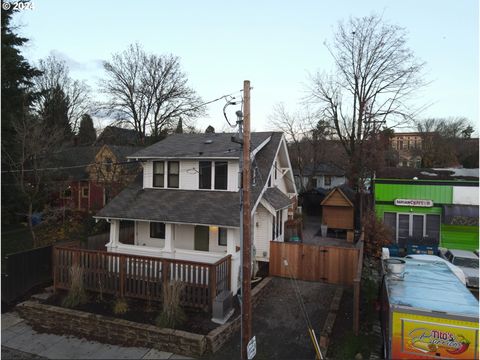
(142, 277)
(25, 270)
(334, 265)
(356, 290)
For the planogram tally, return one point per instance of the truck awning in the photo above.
(466, 215)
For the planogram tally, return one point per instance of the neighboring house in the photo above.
(322, 175)
(89, 176)
(188, 207)
(113, 135)
(408, 146)
(435, 205)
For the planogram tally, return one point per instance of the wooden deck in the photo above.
(142, 277)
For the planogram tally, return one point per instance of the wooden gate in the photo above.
(334, 265)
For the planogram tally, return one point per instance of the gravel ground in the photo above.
(279, 325)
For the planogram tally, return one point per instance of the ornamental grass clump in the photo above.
(120, 307)
(172, 314)
(76, 294)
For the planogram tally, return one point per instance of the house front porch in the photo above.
(143, 277)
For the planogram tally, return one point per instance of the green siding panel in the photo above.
(390, 192)
(459, 237)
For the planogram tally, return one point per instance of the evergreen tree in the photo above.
(86, 134)
(179, 129)
(17, 75)
(210, 130)
(55, 112)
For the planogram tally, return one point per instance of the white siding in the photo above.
(233, 169)
(262, 232)
(189, 175)
(465, 195)
(184, 235)
(147, 174)
(213, 241)
(142, 236)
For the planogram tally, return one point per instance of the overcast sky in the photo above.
(274, 44)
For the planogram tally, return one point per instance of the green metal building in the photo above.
(433, 205)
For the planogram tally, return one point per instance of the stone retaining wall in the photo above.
(219, 336)
(54, 319)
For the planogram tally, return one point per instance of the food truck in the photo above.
(427, 313)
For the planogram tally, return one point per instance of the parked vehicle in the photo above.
(427, 313)
(467, 261)
(433, 258)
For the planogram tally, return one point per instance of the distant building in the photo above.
(408, 146)
(321, 175)
(113, 135)
(435, 205)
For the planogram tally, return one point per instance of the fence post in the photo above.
(212, 284)
(165, 273)
(122, 275)
(54, 268)
(229, 271)
(356, 290)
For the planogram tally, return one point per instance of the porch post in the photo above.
(232, 235)
(114, 233)
(169, 238)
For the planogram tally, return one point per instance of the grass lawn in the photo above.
(15, 238)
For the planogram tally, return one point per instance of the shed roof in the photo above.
(345, 191)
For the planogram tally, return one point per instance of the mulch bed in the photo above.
(139, 311)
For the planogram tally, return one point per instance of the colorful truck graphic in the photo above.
(417, 336)
(427, 313)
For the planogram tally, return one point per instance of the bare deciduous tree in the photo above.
(443, 140)
(376, 73)
(147, 91)
(36, 141)
(305, 134)
(56, 75)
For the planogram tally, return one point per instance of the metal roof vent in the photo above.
(209, 141)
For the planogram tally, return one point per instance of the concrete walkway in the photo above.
(20, 341)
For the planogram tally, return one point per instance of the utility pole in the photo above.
(247, 216)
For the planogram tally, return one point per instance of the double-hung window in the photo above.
(173, 174)
(221, 171)
(205, 175)
(216, 169)
(158, 174)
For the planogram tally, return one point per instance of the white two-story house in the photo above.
(188, 207)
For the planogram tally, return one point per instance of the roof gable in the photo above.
(337, 197)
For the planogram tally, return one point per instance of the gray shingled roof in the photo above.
(208, 145)
(72, 158)
(197, 206)
(276, 198)
(181, 206)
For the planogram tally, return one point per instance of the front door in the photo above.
(201, 238)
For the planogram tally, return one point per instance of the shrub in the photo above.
(120, 307)
(172, 314)
(376, 234)
(76, 294)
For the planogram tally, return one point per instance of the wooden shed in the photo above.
(338, 208)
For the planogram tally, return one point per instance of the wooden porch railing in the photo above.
(142, 277)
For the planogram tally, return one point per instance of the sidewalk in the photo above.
(20, 341)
